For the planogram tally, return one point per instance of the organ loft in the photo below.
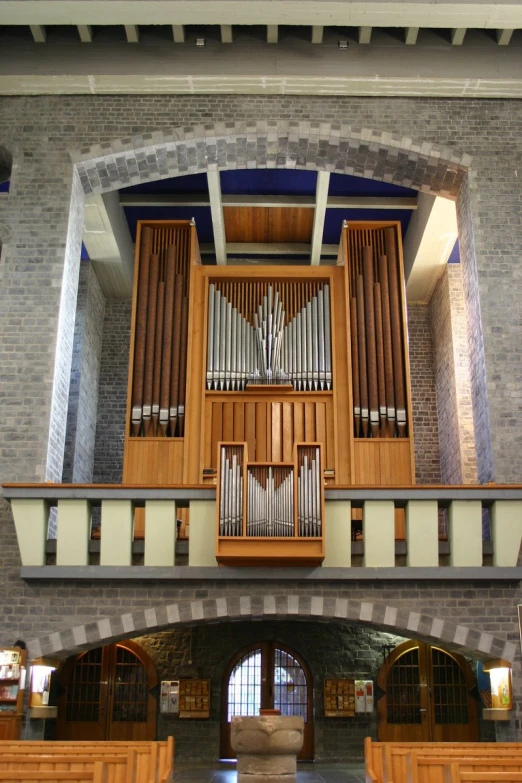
(271, 383)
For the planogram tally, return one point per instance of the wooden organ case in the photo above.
(271, 359)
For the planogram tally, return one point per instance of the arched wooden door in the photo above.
(267, 675)
(106, 694)
(427, 696)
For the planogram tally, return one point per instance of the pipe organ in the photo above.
(273, 359)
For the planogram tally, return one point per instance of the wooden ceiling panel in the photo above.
(268, 224)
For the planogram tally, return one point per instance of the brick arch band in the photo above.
(379, 616)
(313, 145)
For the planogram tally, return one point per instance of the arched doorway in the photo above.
(427, 696)
(267, 675)
(107, 694)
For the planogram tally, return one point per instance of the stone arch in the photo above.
(186, 612)
(313, 145)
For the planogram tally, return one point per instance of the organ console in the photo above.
(271, 359)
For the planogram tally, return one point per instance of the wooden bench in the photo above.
(152, 762)
(97, 774)
(423, 769)
(454, 774)
(385, 762)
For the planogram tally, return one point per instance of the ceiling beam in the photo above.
(272, 33)
(457, 36)
(85, 33)
(226, 34)
(270, 249)
(290, 202)
(321, 198)
(504, 37)
(218, 220)
(317, 33)
(365, 35)
(39, 33)
(411, 34)
(178, 33)
(132, 32)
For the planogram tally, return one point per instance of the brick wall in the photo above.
(425, 424)
(112, 401)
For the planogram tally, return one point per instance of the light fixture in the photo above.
(201, 42)
(343, 44)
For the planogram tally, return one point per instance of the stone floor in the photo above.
(306, 773)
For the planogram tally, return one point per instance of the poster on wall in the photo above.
(169, 697)
(363, 696)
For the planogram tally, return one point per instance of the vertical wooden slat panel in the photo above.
(217, 430)
(239, 422)
(250, 430)
(269, 431)
(299, 422)
(261, 451)
(310, 422)
(207, 455)
(228, 421)
(320, 424)
(288, 432)
(330, 438)
(277, 430)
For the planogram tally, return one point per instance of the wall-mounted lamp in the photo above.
(343, 44)
(501, 694)
(201, 42)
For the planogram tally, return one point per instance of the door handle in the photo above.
(422, 709)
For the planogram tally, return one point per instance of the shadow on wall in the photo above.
(6, 164)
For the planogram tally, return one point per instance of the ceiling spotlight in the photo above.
(201, 42)
(342, 44)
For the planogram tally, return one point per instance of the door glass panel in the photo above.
(450, 693)
(130, 689)
(83, 691)
(244, 686)
(403, 689)
(290, 694)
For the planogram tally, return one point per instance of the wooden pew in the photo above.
(154, 760)
(97, 774)
(118, 769)
(453, 774)
(423, 769)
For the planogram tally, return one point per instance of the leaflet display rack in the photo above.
(12, 684)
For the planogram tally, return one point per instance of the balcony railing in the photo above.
(113, 552)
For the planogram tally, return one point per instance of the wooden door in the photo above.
(106, 694)
(267, 675)
(427, 696)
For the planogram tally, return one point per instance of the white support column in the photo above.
(317, 34)
(465, 533)
(74, 532)
(272, 33)
(365, 35)
(39, 33)
(31, 518)
(160, 533)
(178, 33)
(458, 35)
(338, 534)
(422, 533)
(379, 533)
(226, 34)
(506, 531)
(321, 198)
(85, 33)
(504, 37)
(109, 244)
(116, 533)
(411, 35)
(218, 220)
(132, 32)
(202, 544)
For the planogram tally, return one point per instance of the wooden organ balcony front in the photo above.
(273, 359)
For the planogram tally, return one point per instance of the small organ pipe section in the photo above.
(270, 500)
(161, 333)
(264, 333)
(377, 344)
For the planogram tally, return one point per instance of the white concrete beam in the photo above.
(365, 35)
(178, 33)
(85, 33)
(289, 202)
(132, 32)
(429, 240)
(457, 36)
(109, 244)
(321, 198)
(226, 34)
(317, 34)
(411, 34)
(272, 33)
(504, 37)
(218, 220)
(273, 249)
(39, 33)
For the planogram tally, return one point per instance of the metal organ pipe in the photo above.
(141, 330)
(370, 340)
(387, 345)
(395, 311)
